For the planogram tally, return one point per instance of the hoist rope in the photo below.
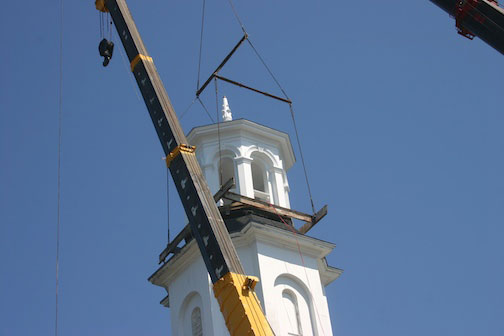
(206, 110)
(109, 25)
(237, 16)
(268, 69)
(302, 157)
(188, 108)
(218, 130)
(215, 76)
(201, 43)
(168, 203)
(60, 115)
(293, 122)
(199, 67)
(100, 17)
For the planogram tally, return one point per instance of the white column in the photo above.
(286, 190)
(244, 183)
(280, 187)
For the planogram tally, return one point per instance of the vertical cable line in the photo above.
(237, 16)
(268, 69)
(188, 108)
(101, 24)
(168, 202)
(302, 157)
(60, 112)
(109, 24)
(286, 96)
(206, 110)
(218, 131)
(201, 44)
(293, 121)
(274, 79)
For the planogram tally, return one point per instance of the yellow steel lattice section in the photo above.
(240, 307)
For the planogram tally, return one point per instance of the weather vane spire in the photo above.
(226, 111)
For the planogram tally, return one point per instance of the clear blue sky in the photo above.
(402, 124)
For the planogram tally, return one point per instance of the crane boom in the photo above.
(482, 18)
(234, 291)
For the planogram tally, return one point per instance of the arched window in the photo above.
(263, 180)
(196, 325)
(258, 177)
(227, 170)
(291, 310)
(297, 308)
(190, 321)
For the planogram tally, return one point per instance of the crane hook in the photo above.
(106, 48)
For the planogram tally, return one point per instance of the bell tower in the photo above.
(256, 156)
(291, 265)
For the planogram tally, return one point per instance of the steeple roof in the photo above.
(248, 128)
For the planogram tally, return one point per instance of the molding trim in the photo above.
(251, 233)
(248, 129)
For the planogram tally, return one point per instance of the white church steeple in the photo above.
(292, 268)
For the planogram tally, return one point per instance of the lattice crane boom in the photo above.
(234, 290)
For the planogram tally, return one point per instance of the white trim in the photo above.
(327, 273)
(252, 232)
(242, 128)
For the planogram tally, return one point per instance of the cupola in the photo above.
(256, 156)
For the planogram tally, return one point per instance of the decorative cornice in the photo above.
(253, 232)
(243, 159)
(170, 269)
(245, 127)
(328, 273)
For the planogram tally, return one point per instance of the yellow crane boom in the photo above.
(233, 289)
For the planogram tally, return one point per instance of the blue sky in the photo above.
(401, 122)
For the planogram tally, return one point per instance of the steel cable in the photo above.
(206, 110)
(60, 117)
(293, 121)
(237, 16)
(218, 130)
(201, 43)
(302, 157)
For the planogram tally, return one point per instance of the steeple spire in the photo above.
(226, 111)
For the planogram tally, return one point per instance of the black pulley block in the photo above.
(106, 48)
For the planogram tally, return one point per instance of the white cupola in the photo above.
(291, 266)
(257, 156)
